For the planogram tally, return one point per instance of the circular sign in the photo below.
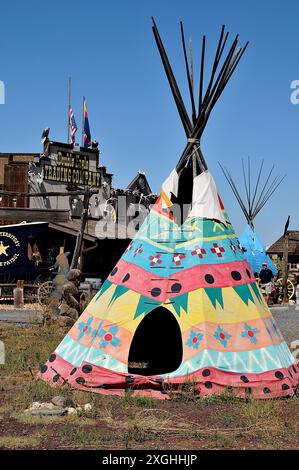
(9, 249)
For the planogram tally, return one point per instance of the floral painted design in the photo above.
(250, 333)
(109, 337)
(129, 247)
(155, 260)
(85, 327)
(95, 331)
(194, 339)
(232, 247)
(222, 336)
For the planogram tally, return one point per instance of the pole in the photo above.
(68, 110)
(79, 240)
(83, 123)
(191, 64)
(285, 267)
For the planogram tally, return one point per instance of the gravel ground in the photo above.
(288, 321)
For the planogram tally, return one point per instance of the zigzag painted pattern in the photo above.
(256, 361)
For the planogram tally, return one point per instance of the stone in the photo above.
(49, 412)
(88, 407)
(37, 405)
(72, 411)
(62, 402)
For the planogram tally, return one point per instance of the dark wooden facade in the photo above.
(276, 251)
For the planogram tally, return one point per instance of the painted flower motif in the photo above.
(194, 339)
(109, 337)
(222, 336)
(95, 331)
(85, 328)
(232, 247)
(250, 333)
(129, 247)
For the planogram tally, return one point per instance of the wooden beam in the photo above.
(285, 268)
(33, 215)
(48, 193)
(80, 235)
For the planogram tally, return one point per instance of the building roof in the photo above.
(95, 229)
(140, 182)
(277, 247)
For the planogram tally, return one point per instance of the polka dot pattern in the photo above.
(87, 368)
(80, 380)
(209, 279)
(126, 278)
(52, 358)
(236, 275)
(156, 291)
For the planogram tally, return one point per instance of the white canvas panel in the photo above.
(205, 201)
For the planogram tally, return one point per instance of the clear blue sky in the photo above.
(109, 51)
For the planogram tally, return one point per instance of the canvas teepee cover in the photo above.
(181, 304)
(254, 251)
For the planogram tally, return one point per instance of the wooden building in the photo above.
(67, 169)
(276, 252)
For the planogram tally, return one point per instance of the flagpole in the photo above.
(83, 123)
(68, 116)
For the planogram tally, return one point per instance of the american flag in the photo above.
(73, 125)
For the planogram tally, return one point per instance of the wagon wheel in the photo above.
(44, 293)
(43, 277)
(290, 289)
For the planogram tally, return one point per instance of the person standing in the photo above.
(266, 277)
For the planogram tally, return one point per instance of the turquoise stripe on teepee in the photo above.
(180, 302)
(119, 291)
(243, 291)
(145, 305)
(103, 289)
(215, 295)
(257, 292)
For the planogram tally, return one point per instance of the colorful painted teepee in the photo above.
(257, 194)
(182, 304)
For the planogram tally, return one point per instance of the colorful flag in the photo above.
(86, 128)
(73, 125)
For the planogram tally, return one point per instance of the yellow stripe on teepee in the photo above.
(201, 309)
(121, 311)
(161, 246)
(100, 302)
(166, 198)
(205, 239)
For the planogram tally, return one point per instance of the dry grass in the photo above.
(27, 418)
(129, 422)
(16, 442)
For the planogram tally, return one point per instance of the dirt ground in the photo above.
(129, 422)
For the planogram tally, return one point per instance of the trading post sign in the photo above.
(71, 168)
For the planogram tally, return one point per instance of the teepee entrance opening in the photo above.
(157, 346)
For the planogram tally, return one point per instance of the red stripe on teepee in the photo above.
(221, 203)
(208, 380)
(160, 288)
